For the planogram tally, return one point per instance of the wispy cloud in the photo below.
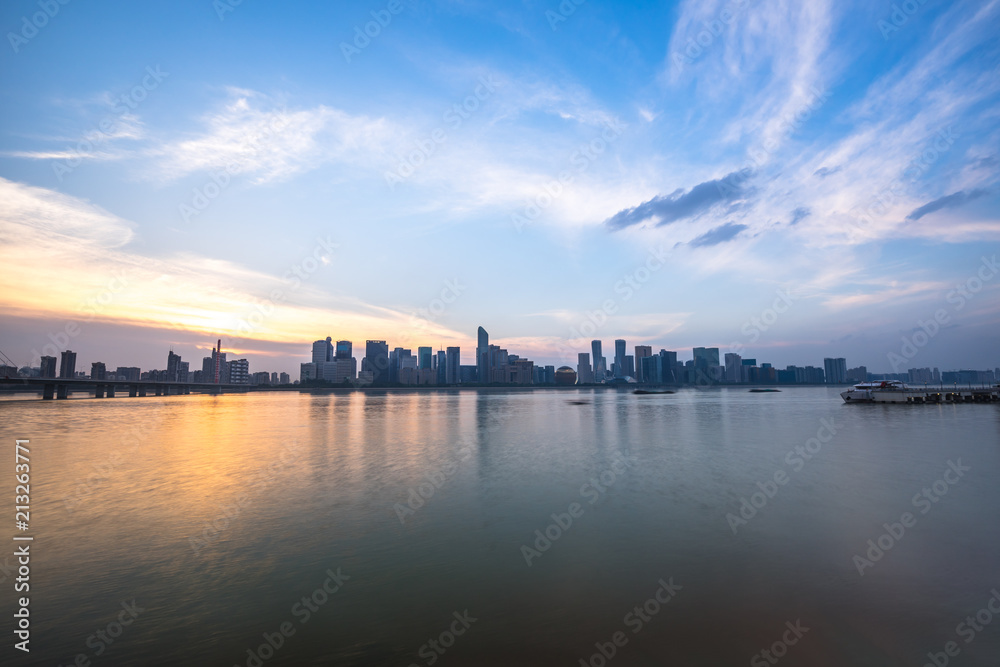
(953, 200)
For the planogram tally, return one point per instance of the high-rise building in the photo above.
(98, 371)
(441, 367)
(307, 372)
(619, 370)
(48, 367)
(706, 358)
(734, 365)
(239, 371)
(641, 352)
(344, 349)
(600, 369)
(376, 361)
(483, 356)
(67, 364)
(836, 370)
(128, 373)
(173, 366)
(453, 366)
(584, 371)
(284, 378)
(424, 355)
(322, 351)
(628, 369)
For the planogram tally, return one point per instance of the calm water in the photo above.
(217, 515)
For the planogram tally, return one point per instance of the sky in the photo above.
(785, 180)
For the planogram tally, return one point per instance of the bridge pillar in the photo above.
(159, 390)
(99, 392)
(142, 390)
(62, 391)
(111, 391)
(133, 391)
(49, 392)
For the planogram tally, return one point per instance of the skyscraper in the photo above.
(344, 349)
(322, 351)
(706, 358)
(239, 371)
(424, 355)
(48, 367)
(619, 358)
(584, 372)
(377, 361)
(98, 371)
(482, 356)
(67, 364)
(453, 366)
(734, 368)
(173, 366)
(641, 352)
(600, 370)
(836, 370)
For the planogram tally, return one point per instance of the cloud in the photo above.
(953, 200)
(823, 172)
(726, 232)
(679, 204)
(801, 213)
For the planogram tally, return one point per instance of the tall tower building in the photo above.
(641, 352)
(48, 368)
(453, 366)
(173, 366)
(377, 361)
(600, 370)
(424, 355)
(584, 372)
(619, 357)
(67, 364)
(483, 356)
(344, 349)
(322, 351)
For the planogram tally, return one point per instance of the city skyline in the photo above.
(676, 185)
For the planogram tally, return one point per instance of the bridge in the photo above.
(60, 387)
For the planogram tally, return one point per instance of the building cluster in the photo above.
(334, 364)
(215, 369)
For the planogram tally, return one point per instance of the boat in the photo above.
(764, 391)
(887, 391)
(648, 391)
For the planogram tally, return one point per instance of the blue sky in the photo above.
(661, 169)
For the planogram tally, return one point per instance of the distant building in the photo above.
(734, 367)
(565, 376)
(584, 372)
(48, 367)
(641, 352)
(468, 374)
(424, 356)
(173, 366)
(284, 378)
(239, 371)
(483, 346)
(98, 371)
(836, 370)
(453, 366)
(376, 361)
(441, 367)
(619, 367)
(322, 351)
(307, 372)
(260, 378)
(600, 368)
(859, 374)
(344, 350)
(128, 373)
(67, 364)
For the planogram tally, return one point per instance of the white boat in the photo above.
(888, 391)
